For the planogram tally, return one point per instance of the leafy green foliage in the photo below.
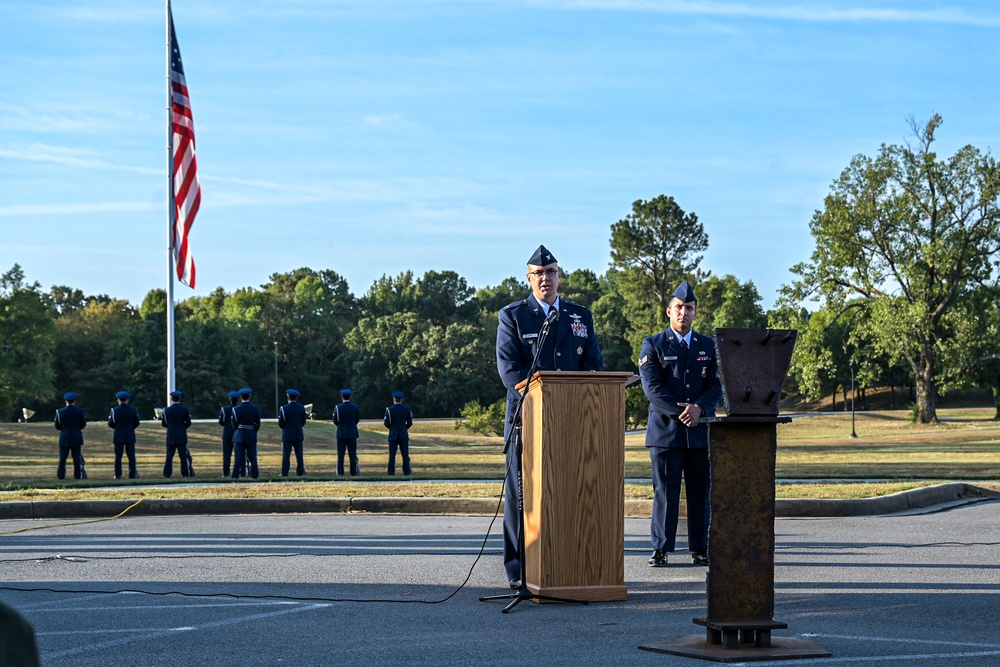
(484, 419)
(905, 237)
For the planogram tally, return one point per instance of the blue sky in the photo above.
(373, 137)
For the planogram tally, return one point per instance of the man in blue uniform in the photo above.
(246, 422)
(291, 419)
(124, 419)
(679, 374)
(226, 422)
(70, 422)
(176, 419)
(571, 345)
(398, 419)
(346, 416)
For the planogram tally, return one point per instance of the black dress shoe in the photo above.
(700, 558)
(658, 559)
(515, 583)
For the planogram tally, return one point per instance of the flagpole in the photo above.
(171, 222)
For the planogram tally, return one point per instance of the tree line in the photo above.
(901, 290)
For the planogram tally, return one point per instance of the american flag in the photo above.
(186, 189)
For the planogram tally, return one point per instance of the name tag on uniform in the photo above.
(673, 358)
(527, 336)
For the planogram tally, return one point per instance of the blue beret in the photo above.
(398, 394)
(291, 392)
(246, 391)
(542, 257)
(176, 393)
(685, 293)
(233, 394)
(123, 395)
(346, 392)
(70, 396)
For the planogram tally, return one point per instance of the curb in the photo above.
(902, 501)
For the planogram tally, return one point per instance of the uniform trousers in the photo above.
(127, 449)
(350, 446)
(404, 450)
(668, 464)
(182, 454)
(286, 458)
(227, 456)
(245, 451)
(64, 452)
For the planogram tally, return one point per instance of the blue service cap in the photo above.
(346, 392)
(398, 394)
(70, 396)
(123, 396)
(542, 257)
(246, 391)
(233, 394)
(291, 392)
(176, 393)
(685, 293)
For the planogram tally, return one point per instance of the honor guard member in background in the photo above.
(70, 422)
(177, 420)
(680, 377)
(291, 419)
(346, 416)
(398, 419)
(124, 419)
(226, 421)
(571, 345)
(246, 422)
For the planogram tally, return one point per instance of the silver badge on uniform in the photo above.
(579, 350)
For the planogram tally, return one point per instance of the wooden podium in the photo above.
(574, 478)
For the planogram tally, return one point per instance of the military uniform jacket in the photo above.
(291, 419)
(176, 419)
(246, 422)
(398, 419)
(671, 376)
(226, 422)
(571, 344)
(70, 422)
(124, 419)
(346, 416)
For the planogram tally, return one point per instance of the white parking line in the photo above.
(902, 640)
(170, 631)
(880, 658)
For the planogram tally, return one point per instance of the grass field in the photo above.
(966, 445)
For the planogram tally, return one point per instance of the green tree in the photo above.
(27, 340)
(727, 303)
(653, 249)
(908, 235)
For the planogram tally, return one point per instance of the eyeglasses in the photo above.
(543, 272)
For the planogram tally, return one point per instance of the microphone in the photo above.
(551, 318)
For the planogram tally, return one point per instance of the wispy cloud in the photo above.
(385, 120)
(70, 157)
(833, 13)
(31, 210)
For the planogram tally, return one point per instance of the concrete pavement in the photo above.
(394, 589)
(940, 494)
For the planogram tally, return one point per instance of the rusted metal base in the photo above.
(697, 646)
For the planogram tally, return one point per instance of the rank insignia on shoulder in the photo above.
(643, 360)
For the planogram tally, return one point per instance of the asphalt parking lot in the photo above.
(326, 589)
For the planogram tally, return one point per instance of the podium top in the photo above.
(578, 377)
